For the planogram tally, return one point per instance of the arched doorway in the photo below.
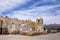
(1, 22)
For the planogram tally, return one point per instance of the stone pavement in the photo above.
(54, 36)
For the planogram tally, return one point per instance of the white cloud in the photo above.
(21, 15)
(47, 19)
(9, 4)
(31, 13)
(58, 12)
(43, 8)
(44, 1)
(47, 16)
(0, 13)
(51, 19)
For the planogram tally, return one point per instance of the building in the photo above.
(13, 25)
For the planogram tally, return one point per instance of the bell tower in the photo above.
(39, 22)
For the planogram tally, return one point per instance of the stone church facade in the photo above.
(11, 25)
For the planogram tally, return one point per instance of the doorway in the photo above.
(1, 23)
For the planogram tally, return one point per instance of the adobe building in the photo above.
(13, 25)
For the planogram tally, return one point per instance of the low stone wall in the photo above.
(31, 33)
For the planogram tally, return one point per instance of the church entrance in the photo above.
(1, 22)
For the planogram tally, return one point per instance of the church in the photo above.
(13, 25)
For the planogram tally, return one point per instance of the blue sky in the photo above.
(49, 10)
